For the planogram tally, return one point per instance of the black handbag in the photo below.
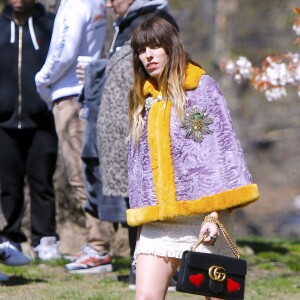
(212, 275)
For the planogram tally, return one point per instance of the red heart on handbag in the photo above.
(232, 286)
(196, 279)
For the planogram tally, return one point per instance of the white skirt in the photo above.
(171, 238)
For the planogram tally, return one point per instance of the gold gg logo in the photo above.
(217, 273)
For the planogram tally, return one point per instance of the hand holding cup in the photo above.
(82, 62)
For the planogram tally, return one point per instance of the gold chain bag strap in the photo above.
(211, 219)
(211, 274)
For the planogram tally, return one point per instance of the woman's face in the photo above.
(120, 7)
(153, 59)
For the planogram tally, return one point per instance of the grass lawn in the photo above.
(273, 274)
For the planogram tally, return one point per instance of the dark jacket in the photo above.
(90, 97)
(112, 209)
(23, 52)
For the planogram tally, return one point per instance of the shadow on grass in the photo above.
(20, 280)
(259, 246)
(120, 263)
(52, 263)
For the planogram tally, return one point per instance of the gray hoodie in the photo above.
(138, 11)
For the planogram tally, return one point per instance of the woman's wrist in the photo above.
(214, 214)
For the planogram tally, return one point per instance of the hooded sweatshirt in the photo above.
(23, 51)
(79, 30)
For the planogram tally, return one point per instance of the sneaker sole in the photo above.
(49, 258)
(93, 270)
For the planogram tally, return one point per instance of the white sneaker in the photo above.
(91, 263)
(11, 256)
(49, 248)
(83, 251)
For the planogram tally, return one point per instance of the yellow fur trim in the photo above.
(229, 199)
(193, 76)
(159, 141)
(160, 153)
(150, 89)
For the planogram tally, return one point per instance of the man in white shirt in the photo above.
(79, 30)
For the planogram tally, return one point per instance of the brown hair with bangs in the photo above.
(156, 31)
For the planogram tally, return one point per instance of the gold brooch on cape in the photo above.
(196, 124)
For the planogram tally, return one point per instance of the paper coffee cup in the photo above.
(84, 60)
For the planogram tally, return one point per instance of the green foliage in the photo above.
(274, 287)
(269, 254)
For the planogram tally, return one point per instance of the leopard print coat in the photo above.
(112, 123)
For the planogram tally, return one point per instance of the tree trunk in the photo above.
(223, 27)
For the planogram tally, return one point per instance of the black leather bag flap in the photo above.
(206, 260)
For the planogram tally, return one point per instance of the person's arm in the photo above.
(63, 49)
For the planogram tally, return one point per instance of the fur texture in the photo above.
(169, 205)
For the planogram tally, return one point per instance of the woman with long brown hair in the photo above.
(186, 167)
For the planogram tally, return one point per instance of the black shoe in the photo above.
(131, 280)
(173, 283)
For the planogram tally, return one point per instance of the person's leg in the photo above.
(11, 185)
(70, 128)
(132, 234)
(94, 257)
(11, 198)
(93, 187)
(153, 275)
(40, 168)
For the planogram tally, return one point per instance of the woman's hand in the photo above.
(210, 230)
(211, 233)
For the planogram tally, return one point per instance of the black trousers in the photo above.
(31, 154)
